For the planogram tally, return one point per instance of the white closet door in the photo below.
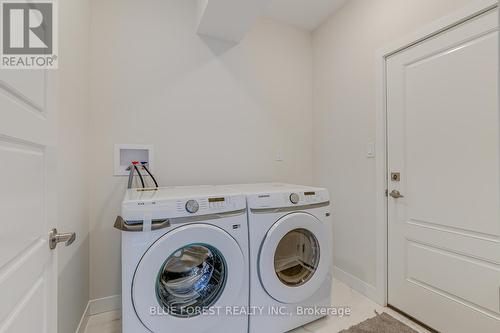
(443, 139)
(28, 281)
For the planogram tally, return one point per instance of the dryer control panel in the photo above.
(293, 198)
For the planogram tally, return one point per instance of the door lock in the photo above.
(56, 238)
(396, 177)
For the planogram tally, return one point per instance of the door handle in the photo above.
(396, 194)
(56, 238)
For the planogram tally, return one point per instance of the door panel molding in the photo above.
(20, 308)
(28, 87)
(477, 247)
(466, 42)
(454, 230)
(32, 263)
(456, 299)
(17, 95)
(487, 302)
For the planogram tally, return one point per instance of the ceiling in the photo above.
(305, 14)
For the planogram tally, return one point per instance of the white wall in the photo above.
(211, 118)
(344, 102)
(74, 118)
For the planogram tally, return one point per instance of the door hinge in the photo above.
(386, 192)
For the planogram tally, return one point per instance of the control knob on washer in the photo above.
(192, 206)
(294, 198)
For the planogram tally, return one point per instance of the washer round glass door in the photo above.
(183, 274)
(295, 257)
(191, 279)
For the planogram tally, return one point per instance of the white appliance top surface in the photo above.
(178, 192)
(269, 188)
(184, 192)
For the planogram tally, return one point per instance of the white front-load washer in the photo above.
(184, 260)
(291, 259)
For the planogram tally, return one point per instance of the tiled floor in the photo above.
(362, 309)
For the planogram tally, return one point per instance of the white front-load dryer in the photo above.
(184, 261)
(291, 257)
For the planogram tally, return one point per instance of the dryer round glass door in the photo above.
(183, 274)
(295, 257)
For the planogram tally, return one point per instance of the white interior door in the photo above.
(443, 139)
(27, 202)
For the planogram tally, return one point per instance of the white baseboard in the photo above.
(357, 284)
(83, 321)
(105, 304)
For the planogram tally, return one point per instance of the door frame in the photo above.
(458, 17)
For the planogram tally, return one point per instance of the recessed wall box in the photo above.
(126, 153)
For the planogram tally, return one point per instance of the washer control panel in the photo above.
(156, 207)
(192, 206)
(294, 198)
(211, 205)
